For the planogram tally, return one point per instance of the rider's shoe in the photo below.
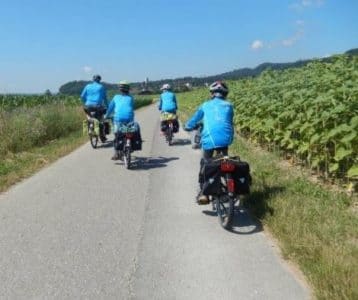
(120, 155)
(202, 199)
(103, 139)
(116, 156)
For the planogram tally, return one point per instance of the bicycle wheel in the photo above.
(127, 158)
(93, 140)
(225, 210)
(92, 136)
(170, 136)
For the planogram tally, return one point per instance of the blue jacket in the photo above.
(168, 102)
(94, 94)
(217, 115)
(123, 107)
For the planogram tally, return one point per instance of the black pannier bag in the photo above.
(210, 177)
(107, 127)
(242, 177)
(119, 140)
(175, 126)
(136, 141)
(164, 125)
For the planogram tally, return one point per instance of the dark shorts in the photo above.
(99, 111)
(207, 154)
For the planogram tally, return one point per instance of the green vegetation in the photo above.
(309, 114)
(316, 226)
(11, 102)
(35, 130)
(17, 166)
(24, 128)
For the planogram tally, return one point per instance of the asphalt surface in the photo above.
(87, 228)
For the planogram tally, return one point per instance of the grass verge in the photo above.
(32, 138)
(316, 228)
(17, 166)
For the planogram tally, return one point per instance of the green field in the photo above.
(308, 114)
(35, 130)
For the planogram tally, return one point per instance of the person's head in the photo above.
(219, 89)
(97, 78)
(166, 87)
(124, 87)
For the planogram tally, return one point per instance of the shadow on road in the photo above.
(242, 223)
(107, 144)
(181, 142)
(254, 207)
(146, 163)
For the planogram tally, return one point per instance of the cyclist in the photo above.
(94, 98)
(167, 104)
(217, 134)
(122, 105)
(167, 100)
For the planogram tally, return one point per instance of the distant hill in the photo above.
(75, 87)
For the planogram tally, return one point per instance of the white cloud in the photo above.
(301, 5)
(257, 44)
(293, 39)
(300, 22)
(87, 69)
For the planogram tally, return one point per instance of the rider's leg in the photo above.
(102, 134)
(116, 142)
(222, 151)
(206, 155)
(138, 130)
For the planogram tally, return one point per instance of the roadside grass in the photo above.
(316, 228)
(17, 166)
(31, 138)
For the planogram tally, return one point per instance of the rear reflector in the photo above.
(231, 185)
(227, 167)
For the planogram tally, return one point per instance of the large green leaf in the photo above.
(353, 172)
(341, 153)
(333, 167)
(354, 121)
(347, 139)
(315, 138)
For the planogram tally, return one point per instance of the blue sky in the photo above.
(45, 43)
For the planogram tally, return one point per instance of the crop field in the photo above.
(10, 102)
(309, 114)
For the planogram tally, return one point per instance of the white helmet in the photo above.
(166, 87)
(219, 87)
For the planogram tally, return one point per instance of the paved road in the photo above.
(86, 228)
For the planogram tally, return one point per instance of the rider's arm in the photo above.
(231, 116)
(175, 101)
(104, 96)
(84, 95)
(160, 103)
(110, 109)
(199, 114)
(132, 103)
